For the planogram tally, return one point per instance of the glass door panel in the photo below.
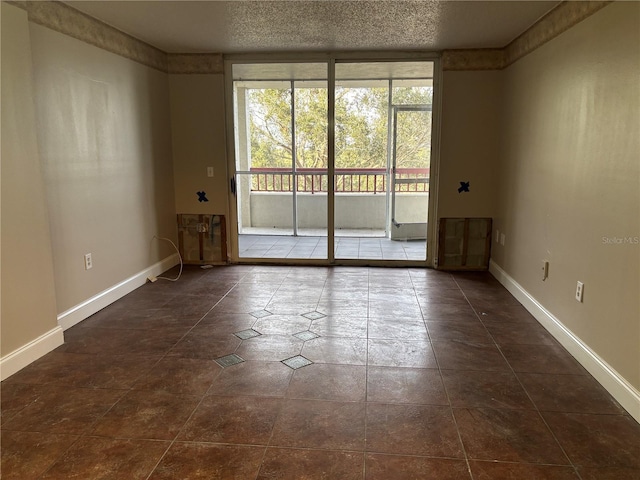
(311, 160)
(410, 170)
(361, 162)
(373, 126)
(265, 214)
(410, 177)
(281, 159)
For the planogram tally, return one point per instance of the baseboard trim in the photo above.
(625, 393)
(32, 351)
(76, 314)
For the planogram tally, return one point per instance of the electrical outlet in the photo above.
(503, 237)
(88, 263)
(579, 291)
(209, 171)
(545, 270)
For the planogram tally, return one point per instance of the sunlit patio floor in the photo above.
(312, 244)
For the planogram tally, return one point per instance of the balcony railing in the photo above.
(348, 180)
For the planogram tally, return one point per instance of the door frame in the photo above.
(331, 59)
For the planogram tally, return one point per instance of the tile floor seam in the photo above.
(410, 455)
(256, 319)
(224, 444)
(61, 456)
(514, 373)
(462, 291)
(137, 380)
(173, 441)
(509, 462)
(313, 449)
(544, 421)
(366, 393)
(167, 353)
(164, 454)
(275, 423)
(455, 421)
(81, 436)
(424, 321)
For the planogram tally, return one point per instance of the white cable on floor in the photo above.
(179, 256)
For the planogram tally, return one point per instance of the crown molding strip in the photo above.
(69, 21)
(195, 63)
(475, 59)
(558, 20)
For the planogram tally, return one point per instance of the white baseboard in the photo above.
(96, 303)
(23, 356)
(625, 393)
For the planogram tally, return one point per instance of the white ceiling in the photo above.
(182, 26)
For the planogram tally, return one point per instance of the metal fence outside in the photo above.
(347, 180)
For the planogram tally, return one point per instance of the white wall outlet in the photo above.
(579, 291)
(503, 237)
(88, 262)
(209, 171)
(497, 236)
(545, 270)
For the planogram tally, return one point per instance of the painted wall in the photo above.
(470, 143)
(570, 181)
(198, 132)
(28, 293)
(104, 131)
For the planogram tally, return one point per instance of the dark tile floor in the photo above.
(416, 374)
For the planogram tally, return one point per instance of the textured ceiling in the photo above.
(318, 25)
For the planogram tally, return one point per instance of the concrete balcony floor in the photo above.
(350, 244)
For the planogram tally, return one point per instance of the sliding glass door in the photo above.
(379, 152)
(280, 125)
(379, 159)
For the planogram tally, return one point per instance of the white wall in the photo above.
(28, 293)
(570, 180)
(105, 140)
(352, 210)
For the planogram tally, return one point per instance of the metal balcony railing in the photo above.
(347, 180)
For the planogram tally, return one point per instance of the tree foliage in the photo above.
(361, 127)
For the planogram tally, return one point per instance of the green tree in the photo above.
(361, 127)
(270, 126)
